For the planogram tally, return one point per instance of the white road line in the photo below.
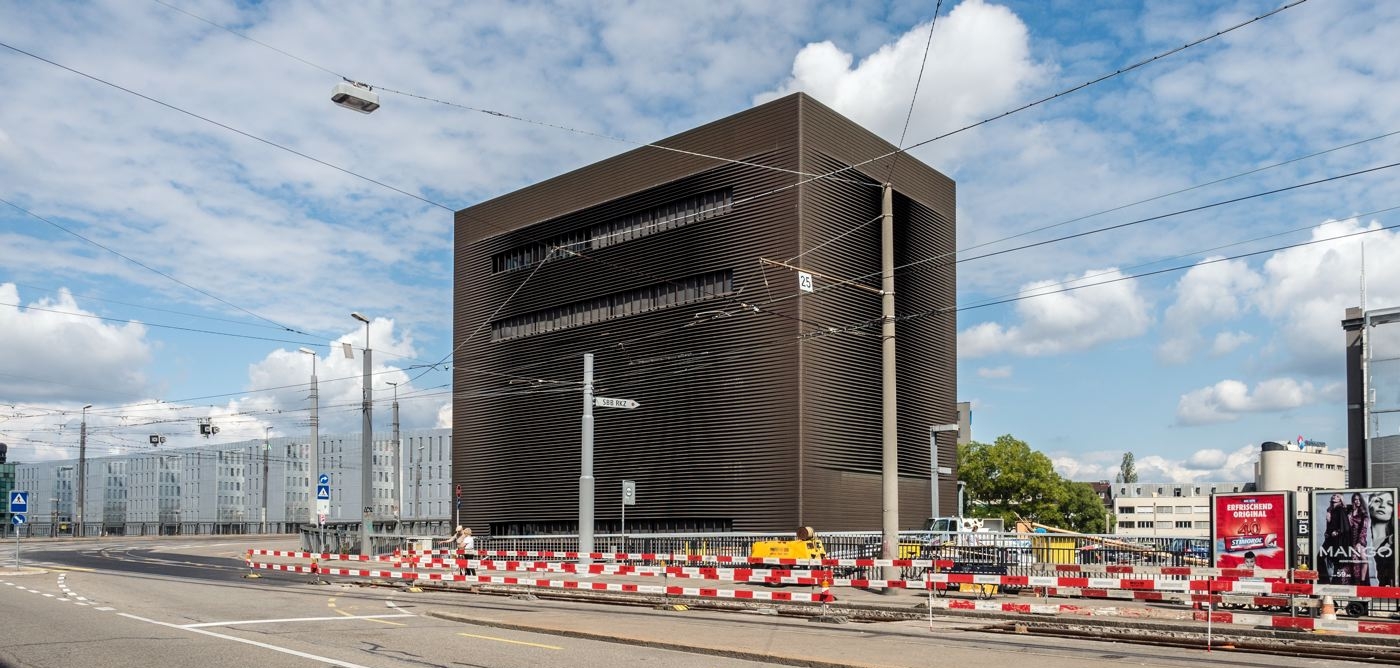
(104, 609)
(297, 619)
(284, 650)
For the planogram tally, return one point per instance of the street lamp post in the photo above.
(82, 474)
(398, 489)
(366, 450)
(267, 433)
(933, 469)
(315, 453)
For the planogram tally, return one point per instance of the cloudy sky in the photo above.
(183, 208)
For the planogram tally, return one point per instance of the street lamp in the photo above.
(315, 453)
(366, 451)
(267, 434)
(82, 472)
(398, 489)
(933, 469)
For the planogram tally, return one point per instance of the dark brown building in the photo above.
(760, 404)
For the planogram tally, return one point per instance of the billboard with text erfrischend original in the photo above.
(1252, 530)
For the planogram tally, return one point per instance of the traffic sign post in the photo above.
(629, 498)
(19, 506)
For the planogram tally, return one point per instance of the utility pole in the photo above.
(398, 488)
(366, 448)
(585, 479)
(82, 474)
(267, 443)
(889, 416)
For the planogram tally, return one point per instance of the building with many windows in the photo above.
(728, 280)
(220, 488)
(1168, 510)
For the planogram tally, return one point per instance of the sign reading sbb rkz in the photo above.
(608, 402)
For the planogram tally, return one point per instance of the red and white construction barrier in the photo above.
(1300, 623)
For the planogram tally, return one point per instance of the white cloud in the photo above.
(79, 357)
(1054, 323)
(1205, 465)
(1227, 399)
(979, 64)
(1228, 342)
(995, 372)
(1205, 295)
(1306, 290)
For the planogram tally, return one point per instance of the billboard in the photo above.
(1251, 530)
(1354, 536)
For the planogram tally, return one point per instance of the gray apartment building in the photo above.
(760, 403)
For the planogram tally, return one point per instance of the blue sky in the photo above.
(264, 251)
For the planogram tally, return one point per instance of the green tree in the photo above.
(1127, 471)
(1082, 510)
(1007, 479)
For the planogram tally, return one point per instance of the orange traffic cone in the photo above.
(1329, 609)
(826, 596)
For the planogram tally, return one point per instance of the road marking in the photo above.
(73, 568)
(105, 609)
(275, 648)
(373, 618)
(292, 619)
(513, 642)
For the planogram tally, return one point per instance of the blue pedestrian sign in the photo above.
(324, 480)
(323, 492)
(19, 502)
(18, 519)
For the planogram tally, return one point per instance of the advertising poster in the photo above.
(1354, 536)
(1251, 530)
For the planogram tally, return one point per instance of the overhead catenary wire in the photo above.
(1139, 221)
(149, 268)
(488, 112)
(914, 98)
(1276, 10)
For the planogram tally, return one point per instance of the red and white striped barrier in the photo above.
(1300, 623)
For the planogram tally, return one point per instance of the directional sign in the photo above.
(19, 502)
(18, 518)
(606, 402)
(323, 492)
(324, 480)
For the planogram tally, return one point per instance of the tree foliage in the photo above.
(1007, 479)
(1083, 510)
(1127, 471)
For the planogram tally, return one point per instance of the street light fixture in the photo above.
(366, 449)
(82, 472)
(355, 96)
(315, 453)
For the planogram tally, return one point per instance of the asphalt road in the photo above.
(184, 602)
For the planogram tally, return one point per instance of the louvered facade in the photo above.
(760, 404)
